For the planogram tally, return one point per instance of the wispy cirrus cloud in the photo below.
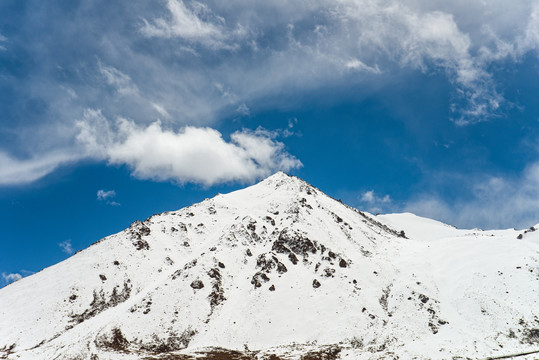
(187, 23)
(120, 81)
(363, 36)
(412, 36)
(483, 200)
(194, 64)
(15, 171)
(494, 201)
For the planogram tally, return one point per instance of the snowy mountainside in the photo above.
(276, 271)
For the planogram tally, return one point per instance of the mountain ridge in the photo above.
(284, 270)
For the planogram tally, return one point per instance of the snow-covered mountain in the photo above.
(276, 271)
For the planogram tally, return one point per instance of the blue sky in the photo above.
(111, 112)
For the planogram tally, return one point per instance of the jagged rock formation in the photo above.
(276, 271)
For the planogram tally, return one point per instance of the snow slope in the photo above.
(279, 270)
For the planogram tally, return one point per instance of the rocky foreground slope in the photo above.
(281, 271)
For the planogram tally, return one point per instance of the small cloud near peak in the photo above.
(67, 247)
(375, 203)
(12, 277)
(107, 196)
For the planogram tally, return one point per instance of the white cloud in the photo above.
(323, 42)
(94, 133)
(531, 38)
(355, 64)
(2, 39)
(527, 40)
(374, 203)
(117, 79)
(186, 23)
(21, 171)
(67, 247)
(12, 277)
(191, 154)
(412, 36)
(292, 122)
(107, 196)
(211, 59)
(243, 110)
(161, 110)
(496, 202)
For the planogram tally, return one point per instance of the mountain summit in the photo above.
(280, 270)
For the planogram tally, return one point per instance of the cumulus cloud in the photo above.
(11, 277)
(106, 196)
(191, 154)
(67, 247)
(495, 202)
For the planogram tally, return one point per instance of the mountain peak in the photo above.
(282, 269)
(277, 187)
(279, 175)
(280, 178)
